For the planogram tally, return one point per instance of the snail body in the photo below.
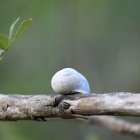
(69, 81)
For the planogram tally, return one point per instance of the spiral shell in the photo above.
(69, 81)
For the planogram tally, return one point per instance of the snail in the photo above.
(69, 81)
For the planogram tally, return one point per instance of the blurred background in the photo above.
(101, 39)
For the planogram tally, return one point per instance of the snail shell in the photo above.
(69, 81)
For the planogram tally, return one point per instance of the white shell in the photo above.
(68, 81)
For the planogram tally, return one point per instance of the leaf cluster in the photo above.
(15, 31)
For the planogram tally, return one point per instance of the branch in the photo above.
(40, 107)
(29, 107)
(113, 123)
(119, 103)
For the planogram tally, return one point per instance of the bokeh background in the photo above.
(99, 38)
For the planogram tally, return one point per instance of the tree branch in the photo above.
(119, 103)
(19, 107)
(113, 123)
(40, 107)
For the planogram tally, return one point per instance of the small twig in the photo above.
(113, 123)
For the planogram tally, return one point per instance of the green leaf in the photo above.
(14, 34)
(11, 32)
(21, 28)
(1, 53)
(3, 42)
(6, 41)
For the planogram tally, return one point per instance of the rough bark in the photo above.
(123, 104)
(40, 107)
(19, 107)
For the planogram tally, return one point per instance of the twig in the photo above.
(115, 124)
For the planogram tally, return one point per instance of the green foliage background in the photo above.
(100, 38)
